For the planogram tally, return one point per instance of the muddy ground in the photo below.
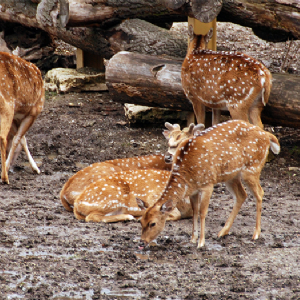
(45, 253)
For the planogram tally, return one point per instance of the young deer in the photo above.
(21, 101)
(219, 79)
(175, 136)
(228, 152)
(79, 181)
(113, 198)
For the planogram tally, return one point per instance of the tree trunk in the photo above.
(155, 81)
(273, 20)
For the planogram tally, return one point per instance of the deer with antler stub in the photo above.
(228, 152)
(113, 198)
(221, 79)
(21, 101)
(175, 136)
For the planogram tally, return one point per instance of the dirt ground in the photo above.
(45, 253)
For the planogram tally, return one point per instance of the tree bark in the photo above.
(155, 81)
(273, 20)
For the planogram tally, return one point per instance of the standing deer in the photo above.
(219, 79)
(228, 152)
(21, 101)
(113, 198)
(79, 181)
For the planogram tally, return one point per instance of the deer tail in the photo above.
(64, 201)
(274, 144)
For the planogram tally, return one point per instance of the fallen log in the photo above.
(156, 81)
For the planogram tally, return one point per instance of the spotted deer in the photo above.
(228, 152)
(219, 79)
(21, 101)
(175, 136)
(79, 181)
(113, 198)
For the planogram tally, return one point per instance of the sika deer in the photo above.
(113, 198)
(21, 101)
(78, 182)
(227, 152)
(220, 79)
(175, 136)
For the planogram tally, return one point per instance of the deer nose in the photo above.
(142, 244)
(168, 158)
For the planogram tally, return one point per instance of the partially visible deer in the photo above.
(219, 79)
(21, 101)
(228, 152)
(175, 136)
(113, 198)
(79, 181)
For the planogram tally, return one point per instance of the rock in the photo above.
(146, 114)
(66, 80)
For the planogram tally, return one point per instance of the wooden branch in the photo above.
(155, 81)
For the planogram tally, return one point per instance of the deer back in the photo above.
(21, 85)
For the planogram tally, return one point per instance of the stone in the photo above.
(66, 80)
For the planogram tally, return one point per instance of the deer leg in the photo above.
(195, 201)
(33, 165)
(6, 121)
(216, 116)
(239, 194)
(205, 198)
(252, 182)
(97, 217)
(24, 126)
(254, 116)
(199, 110)
(239, 114)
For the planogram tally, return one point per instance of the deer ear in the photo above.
(167, 207)
(209, 35)
(191, 128)
(166, 134)
(191, 32)
(141, 204)
(198, 128)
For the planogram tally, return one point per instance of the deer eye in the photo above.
(152, 225)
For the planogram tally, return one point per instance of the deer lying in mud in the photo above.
(21, 101)
(219, 79)
(79, 181)
(113, 198)
(228, 152)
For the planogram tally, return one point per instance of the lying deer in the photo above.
(219, 79)
(228, 152)
(113, 198)
(79, 181)
(21, 101)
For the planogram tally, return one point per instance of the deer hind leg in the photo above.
(98, 217)
(205, 198)
(237, 190)
(252, 182)
(254, 116)
(195, 203)
(216, 116)
(199, 110)
(6, 121)
(32, 163)
(24, 126)
(239, 114)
